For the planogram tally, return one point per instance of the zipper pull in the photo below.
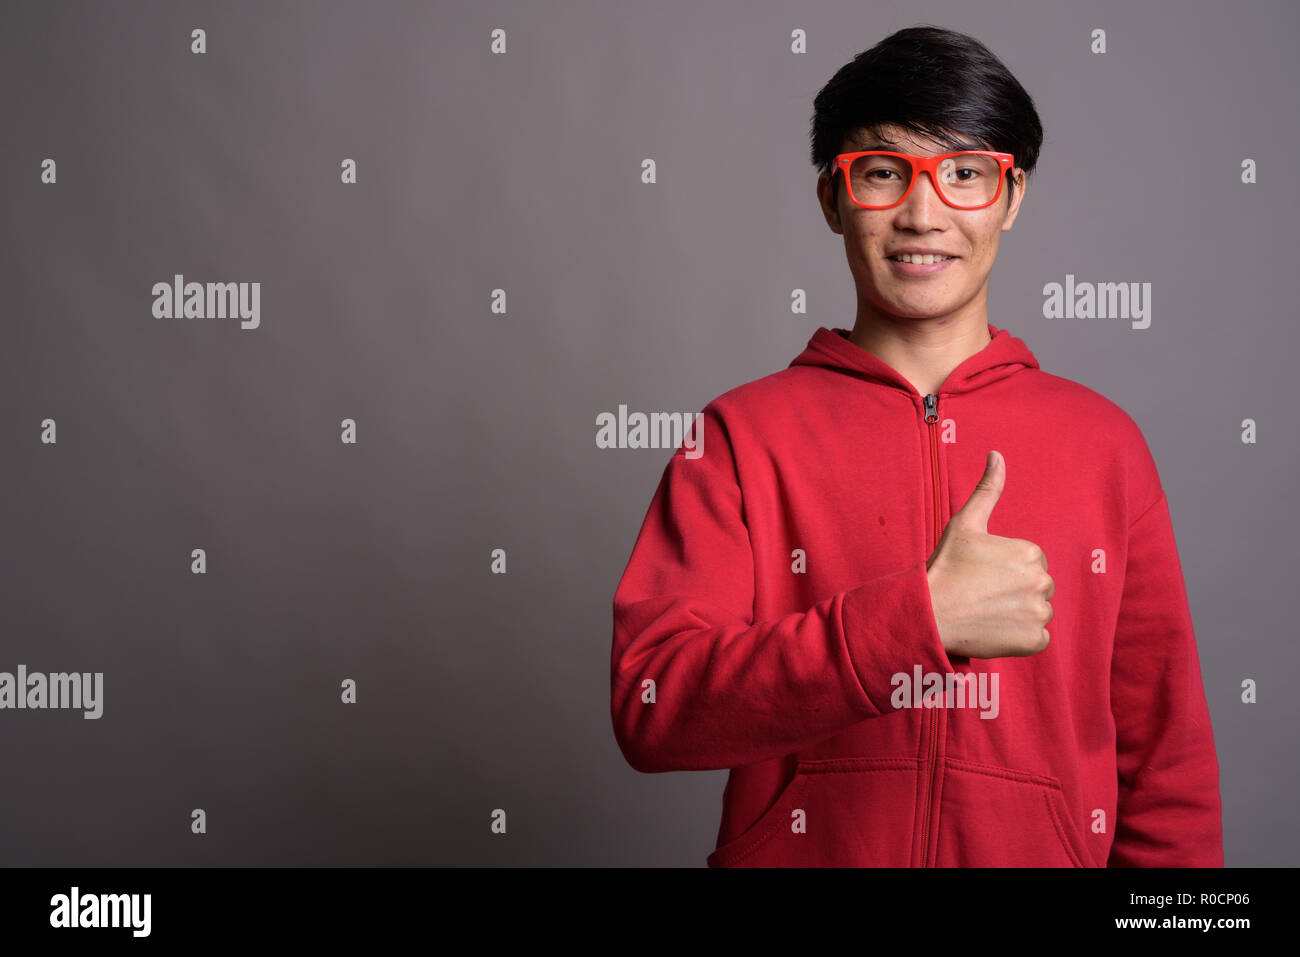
(932, 408)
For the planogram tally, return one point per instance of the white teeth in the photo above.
(927, 258)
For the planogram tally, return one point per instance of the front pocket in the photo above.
(1000, 817)
(853, 812)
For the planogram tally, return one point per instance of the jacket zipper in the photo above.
(931, 728)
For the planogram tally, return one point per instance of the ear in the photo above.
(1013, 208)
(828, 198)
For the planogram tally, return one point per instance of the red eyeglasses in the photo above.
(967, 179)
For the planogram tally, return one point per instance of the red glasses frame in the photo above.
(924, 164)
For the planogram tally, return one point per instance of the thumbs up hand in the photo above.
(990, 594)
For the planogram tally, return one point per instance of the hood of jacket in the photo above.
(1004, 355)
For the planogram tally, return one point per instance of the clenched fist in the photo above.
(990, 595)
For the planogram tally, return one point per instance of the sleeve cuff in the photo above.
(889, 628)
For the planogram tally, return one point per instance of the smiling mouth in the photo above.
(919, 259)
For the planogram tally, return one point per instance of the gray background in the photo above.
(476, 431)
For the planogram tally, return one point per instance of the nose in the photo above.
(924, 185)
(922, 206)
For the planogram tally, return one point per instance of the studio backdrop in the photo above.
(322, 574)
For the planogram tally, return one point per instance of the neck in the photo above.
(923, 351)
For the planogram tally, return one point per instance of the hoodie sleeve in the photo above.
(1169, 812)
(696, 683)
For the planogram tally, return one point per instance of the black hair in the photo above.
(933, 82)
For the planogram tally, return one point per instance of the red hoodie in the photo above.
(775, 614)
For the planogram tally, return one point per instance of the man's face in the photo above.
(922, 220)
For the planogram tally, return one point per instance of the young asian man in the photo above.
(919, 596)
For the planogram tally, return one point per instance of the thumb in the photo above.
(975, 513)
